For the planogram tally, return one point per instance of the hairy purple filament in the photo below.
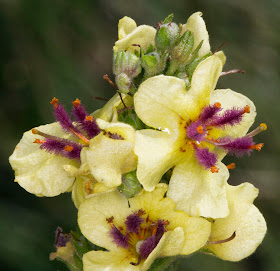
(120, 239)
(197, 132)
(65, 147)
(133, 223)
(89, 125)
(58, 147)
(146, 231)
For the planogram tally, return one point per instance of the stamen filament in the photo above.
(66, 141)
(222, 241)
(261, 128)
(232, 72)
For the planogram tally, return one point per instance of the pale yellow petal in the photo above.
(197, 26)
(93, 213)
(203, 83)
(149, 201)
(170, 244)
(157, 152)
(244, 219)
(143, 35)
(222, 56)
(199, 192)
(109, 158)
(196, 231)
(38, 171)
(109, 111)
(229, 99)
(126, 26)
(108, 261)
(162, 101)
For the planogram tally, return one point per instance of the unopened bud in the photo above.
(130, 185)
(183, 48)
(123, 82)
(166, 36)
(150, 63)
(127, 63)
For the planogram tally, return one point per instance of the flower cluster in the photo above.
(146, 171)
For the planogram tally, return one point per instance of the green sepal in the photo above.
(192, 65)
(166, 36)
(168, 19)
(150, 49)
(130, 185)
(130, 117)
(207, 251)
(163, 264)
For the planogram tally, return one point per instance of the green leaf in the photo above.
(168, 19)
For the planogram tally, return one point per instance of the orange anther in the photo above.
(76, 103)
(214, 169)
(264, 126)
(87, 187)
(257, 147)
(34, 131)
(54, 102)
(246, 109)
(110, 221)
(89, 118)
(231, 166)
(39, 141)
(218, 105)
(68, 148)
(200, 129)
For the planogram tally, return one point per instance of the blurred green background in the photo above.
(63, 48)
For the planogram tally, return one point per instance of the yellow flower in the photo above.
(110, 154)
(244, 219)
(40, 172)
(130, 34)
(189, 129)
(136, 231)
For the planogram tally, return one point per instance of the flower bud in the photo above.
(166, 36)
(123, 82)
(130, 185)
(127, 63)
(150, 63)
(183, 49)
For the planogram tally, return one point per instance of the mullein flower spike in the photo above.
(167, 123)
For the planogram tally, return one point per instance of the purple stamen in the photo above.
(205, 158)
(160, 229)
(133, 223)
(61, 238)
(89, 125)
(209, 112)
(58, 146)
(148, 246)
(193, 133)
(239, 146)
(62, 117)
(151, 242)
(120, 239)
(229, 117)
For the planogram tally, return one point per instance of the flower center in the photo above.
(84, 128)
(199, 132)
(139, 235)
